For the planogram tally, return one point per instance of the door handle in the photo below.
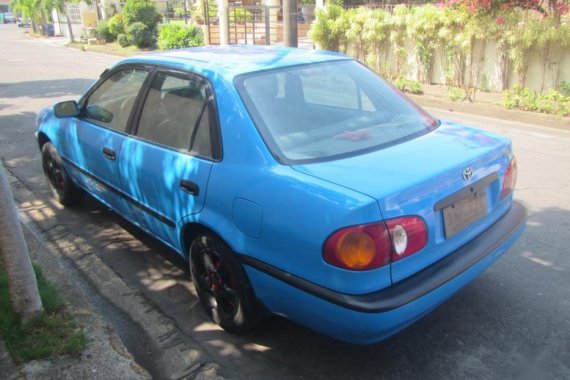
(109, 154)
(190, 187)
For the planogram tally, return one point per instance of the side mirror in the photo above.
(66, 109)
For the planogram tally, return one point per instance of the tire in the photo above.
(62, 187)
(222, 284)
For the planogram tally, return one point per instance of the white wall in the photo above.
(557, 64)
(491, 67)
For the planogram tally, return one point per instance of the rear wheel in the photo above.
(221, 284)
(66, 192)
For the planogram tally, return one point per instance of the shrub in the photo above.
(455, 94)
(408, 85)
(525, 99)
(116, 25)
(175, 36)
(123, 40)
(329, 28)
(142, 11)
(103, 32)
(141, 35)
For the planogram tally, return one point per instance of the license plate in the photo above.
(464, 212)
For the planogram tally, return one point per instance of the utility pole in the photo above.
(290, 23)
(223, 22)
(22, 284)
(185, 11)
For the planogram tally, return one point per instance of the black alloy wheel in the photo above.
(66, 192)
(221, 284)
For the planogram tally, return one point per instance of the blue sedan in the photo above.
(296, 183)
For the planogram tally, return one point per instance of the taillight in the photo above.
(510, 179)
(371, 246)
(409, 235)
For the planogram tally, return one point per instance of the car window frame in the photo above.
(102, 79)
(212, 109)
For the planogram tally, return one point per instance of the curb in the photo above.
(492, 110)
(175, 355)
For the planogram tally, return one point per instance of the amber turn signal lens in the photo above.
(355, 250)
(360, 248)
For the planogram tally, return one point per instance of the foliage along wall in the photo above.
(452, 46)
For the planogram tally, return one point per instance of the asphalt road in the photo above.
(513, 322)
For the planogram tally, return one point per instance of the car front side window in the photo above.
(176, 114)
(111, 103)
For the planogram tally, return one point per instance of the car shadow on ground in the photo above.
(478, 328)
(50, 88)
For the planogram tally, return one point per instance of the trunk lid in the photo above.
(421, 177)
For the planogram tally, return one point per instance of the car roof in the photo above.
(233, 60)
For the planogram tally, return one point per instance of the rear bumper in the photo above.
(368, 318)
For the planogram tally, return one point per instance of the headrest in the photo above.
(263, 86)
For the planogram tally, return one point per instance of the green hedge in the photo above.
(382, 39)
(175, 36)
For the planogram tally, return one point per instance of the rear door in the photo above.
(166, 164)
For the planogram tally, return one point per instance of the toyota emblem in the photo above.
(467, 174)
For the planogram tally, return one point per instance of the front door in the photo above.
(101, 131)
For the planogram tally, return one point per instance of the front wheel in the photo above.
(221, 284)
(66, 192)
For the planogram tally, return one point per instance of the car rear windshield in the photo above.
(330, 110)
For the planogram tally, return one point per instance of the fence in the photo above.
(256, 24)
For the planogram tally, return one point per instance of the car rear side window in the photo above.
(111, 103)
(176, 114)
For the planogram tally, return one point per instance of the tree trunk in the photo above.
(98, 9)
(44, 23)
(505, 69)
(69, 27)
(560, 65)
(544, 64)
(22, 282)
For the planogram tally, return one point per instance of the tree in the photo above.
(141, 11)
(32, 9)
(22, 282)
(36, 11)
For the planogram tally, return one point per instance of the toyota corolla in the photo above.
(294, 182)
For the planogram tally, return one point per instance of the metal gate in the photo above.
(251, 24)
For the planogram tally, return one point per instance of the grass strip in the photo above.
(54, 332)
